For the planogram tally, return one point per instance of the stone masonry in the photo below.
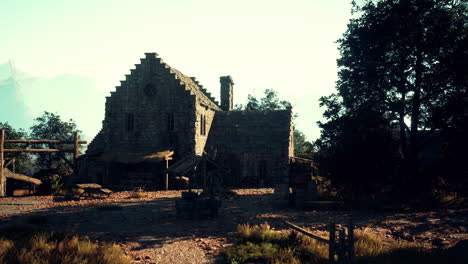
(157, 108)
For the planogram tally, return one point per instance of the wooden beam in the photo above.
(36, 150)
(44, 141)
(9, 162)
(76, 150)
(305, 232)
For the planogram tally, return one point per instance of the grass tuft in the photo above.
(138, 194)
(29, 246)
(262, 233)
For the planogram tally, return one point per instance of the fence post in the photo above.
(342, 246)
(331, 245)
(350, 241)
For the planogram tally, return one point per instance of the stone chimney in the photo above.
(226, 93)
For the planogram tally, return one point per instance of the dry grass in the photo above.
(28, 246)
(262, 244)
(138, 194)
(77, 191)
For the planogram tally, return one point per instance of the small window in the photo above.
(130, 122)
(170, 121)
(203, 125)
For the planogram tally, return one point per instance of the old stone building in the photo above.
(158, 114)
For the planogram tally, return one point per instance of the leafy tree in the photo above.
(271, 101)
(50, 126)
(23, 162)
(406, 61)
(302, 147)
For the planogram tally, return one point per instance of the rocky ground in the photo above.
(149, 231)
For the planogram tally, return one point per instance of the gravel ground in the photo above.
(149, 231)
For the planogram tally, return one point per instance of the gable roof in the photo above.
(189, 82)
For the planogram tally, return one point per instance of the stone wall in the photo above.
(156, 107)
(254, 145)
(205, 116)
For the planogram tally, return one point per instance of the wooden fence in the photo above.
(76, 142)
(340, 243)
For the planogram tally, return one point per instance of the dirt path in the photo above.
(149, 231)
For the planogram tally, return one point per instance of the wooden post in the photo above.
(331, 245)
(205, 176)
(76, 148)
(166, 177)
(350, 241)
(341, 247)
(2, 177)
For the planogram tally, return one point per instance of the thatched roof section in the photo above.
(185, 165)
(20, 177)
(136, 156)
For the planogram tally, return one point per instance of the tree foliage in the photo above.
(271, 101)
(405, 62)
(23, 162)
(50, 126)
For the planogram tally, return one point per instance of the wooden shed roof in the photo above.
(136, 156)
(20, 177)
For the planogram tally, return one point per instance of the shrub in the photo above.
(251, 251)
(262, 233)
(51, 184)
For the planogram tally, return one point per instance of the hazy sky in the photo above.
(285, 45)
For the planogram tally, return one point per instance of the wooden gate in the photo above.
(75, 152)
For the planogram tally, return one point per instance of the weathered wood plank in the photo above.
(43, 141)
(9, 162)
(11, 175)
(106, 191)
(305, 232)
(36, 150)
(89, 186)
